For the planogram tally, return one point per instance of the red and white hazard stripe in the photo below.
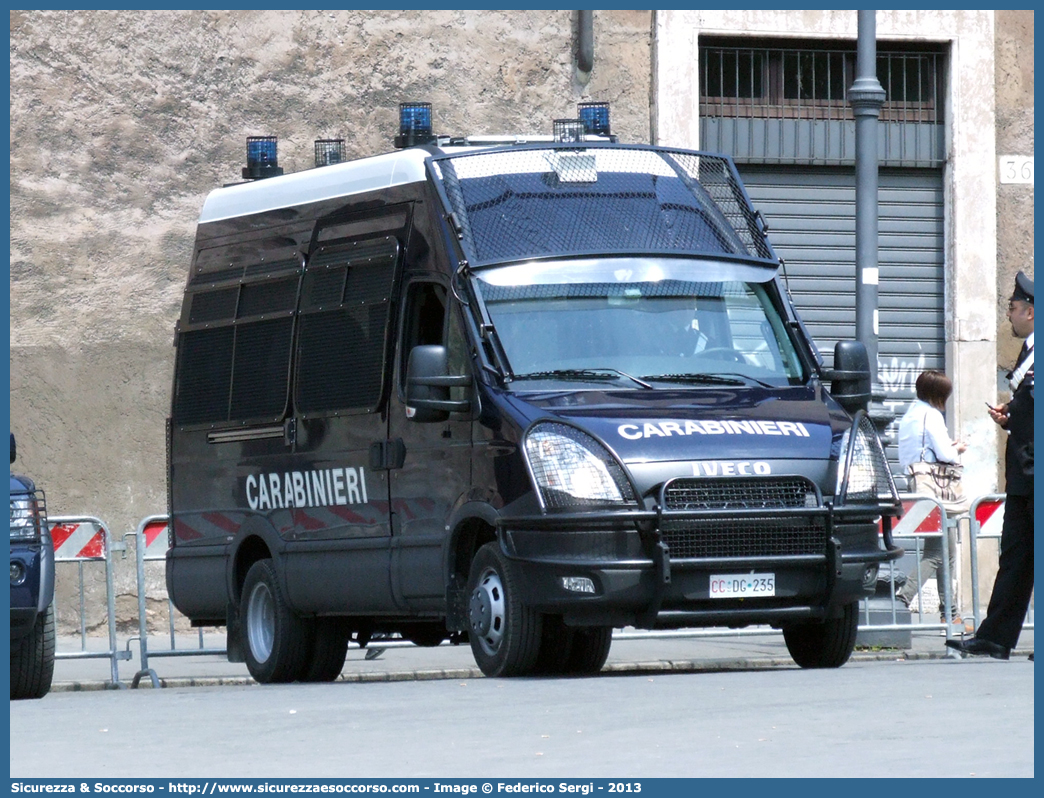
(920, 516)
(989, 514)
(155, 534)
(84, 540)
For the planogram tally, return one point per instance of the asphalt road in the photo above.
(943, 718)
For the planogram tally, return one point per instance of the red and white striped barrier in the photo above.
(154, 535)
(79, 541)
(988, 513)
(920, 517)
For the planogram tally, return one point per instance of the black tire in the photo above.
(276, 643)
(504, 633)
(329, 649)
(556, 644)
(32, 659)
(828, 644)
(590, 650)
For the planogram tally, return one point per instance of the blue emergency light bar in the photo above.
(595, 117)
(414, 125)
(262, 158)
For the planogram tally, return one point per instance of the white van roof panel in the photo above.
(314, 185)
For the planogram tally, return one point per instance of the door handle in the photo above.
(387, 455)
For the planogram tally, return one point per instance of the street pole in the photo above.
(867, 97)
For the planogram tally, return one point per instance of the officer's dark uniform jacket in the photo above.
(1019, 452)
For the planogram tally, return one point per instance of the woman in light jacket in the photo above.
(923, 437)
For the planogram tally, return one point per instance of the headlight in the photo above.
(24, 518)
(865, 465)
(571, 468)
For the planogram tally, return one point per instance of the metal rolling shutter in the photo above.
(811, 217)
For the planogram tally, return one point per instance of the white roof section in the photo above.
(314, 185)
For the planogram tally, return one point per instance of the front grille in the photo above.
(762, 536)
(739, 493)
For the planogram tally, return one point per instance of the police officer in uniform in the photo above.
(999, 631)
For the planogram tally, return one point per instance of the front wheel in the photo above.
(504, 633)
(590, 650)
(826, 644)
(276, 643)
(32, 658)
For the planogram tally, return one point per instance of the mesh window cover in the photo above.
(204, 376)
(340, 360)
(261, 372)
(526, 202)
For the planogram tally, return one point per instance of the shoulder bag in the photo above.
(941, 480)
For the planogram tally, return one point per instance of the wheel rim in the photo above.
(486, 612)
(260, 622)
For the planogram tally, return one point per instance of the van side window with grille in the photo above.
(343, 323)
(234, 358)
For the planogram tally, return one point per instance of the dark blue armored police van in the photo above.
(32, 590)
(518, 393)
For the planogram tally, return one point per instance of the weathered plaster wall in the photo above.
(122, 121)
(1014, 76)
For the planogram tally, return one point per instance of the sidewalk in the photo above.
(688, 651)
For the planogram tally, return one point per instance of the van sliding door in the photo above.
(338, 556)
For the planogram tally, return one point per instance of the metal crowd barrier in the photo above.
(150, 544)
(80, 539)
(924, 517)
(987, 519)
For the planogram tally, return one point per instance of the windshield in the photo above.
(639, 322)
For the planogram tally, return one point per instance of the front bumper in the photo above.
(637, 581)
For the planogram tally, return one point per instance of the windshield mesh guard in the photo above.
(544, 201)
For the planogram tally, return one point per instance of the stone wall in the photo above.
(122, 121)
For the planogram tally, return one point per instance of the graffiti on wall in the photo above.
(897, 378)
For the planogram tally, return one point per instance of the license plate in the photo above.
(742, 585)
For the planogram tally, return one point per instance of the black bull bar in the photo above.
(648, 524)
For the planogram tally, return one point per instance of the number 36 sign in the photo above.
(1016, 169)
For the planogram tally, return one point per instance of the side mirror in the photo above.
(850, 377)
(12, 448)
(428, 386)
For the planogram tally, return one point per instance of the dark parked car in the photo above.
(32, 590)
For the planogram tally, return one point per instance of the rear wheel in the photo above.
(276, 642)
(828, 644)
(329, 649)
(504, 633)
(32, 658)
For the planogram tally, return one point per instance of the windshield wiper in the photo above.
(598, 374)
(719, 378)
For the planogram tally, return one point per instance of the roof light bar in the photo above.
(329, 151)
(595, 117)
(414, 125)
(262, 158)
(568, 131)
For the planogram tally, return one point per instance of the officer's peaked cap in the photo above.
(1023, 288)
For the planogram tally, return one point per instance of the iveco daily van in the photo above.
(518, 394)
